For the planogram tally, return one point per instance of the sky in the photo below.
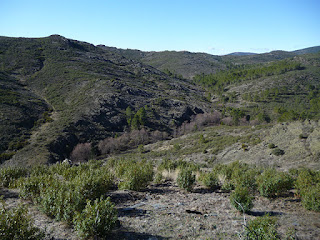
(213, 26)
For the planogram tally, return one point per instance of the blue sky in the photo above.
(212, 26)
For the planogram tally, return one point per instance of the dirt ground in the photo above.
(163, 211)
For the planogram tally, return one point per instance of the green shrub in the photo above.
(263, 228)
(167, 164)
(272, 183)
(245, 178)
(210, 180)
(241, 199)
(305, 179)
(9, 175)
(60, 201)
(271, 146)
(16, 224)
(186, 179)
(92, 184)
(310, 198)
(96, 220)
(136, 175)
(308, 186)
(277, 151)
(31, 187)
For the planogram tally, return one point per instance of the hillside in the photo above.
(63, 92)
(187, 64)
(84, 92)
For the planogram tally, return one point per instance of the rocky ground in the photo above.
(163, 211)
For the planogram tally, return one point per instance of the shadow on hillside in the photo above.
(6, 193)
(131, 212)
(128, 235)
(263, 213)
(204, 190)
(124, 196)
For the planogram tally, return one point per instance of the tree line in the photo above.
(219, 80)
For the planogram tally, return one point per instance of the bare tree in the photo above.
(81, 152)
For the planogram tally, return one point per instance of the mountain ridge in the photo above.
(81, 92)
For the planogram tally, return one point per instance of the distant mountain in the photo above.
(187, 64)
(308, 50)
(241, 53)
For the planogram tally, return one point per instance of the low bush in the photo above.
(305, 179)
(135, 175)
(9, 175)
(241, 199)
(209, 180)
(16, 224)
(245, 177)
(272, 183)
(271, 146)
(96, 220)
(311, 198)
(277, 151)
(92, 184)
(60, 201)
(308, 187)
(261, 228)
(31, 187)
(186, 179)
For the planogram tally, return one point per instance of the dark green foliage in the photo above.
(96, 220)
(6, 156)
(272, 183)
(241, 199)
(262, 228)
(263, 117)
(271, 146)
(16, 224)
(186, 179)
(129, 115)
(219, 80)
(277, 151)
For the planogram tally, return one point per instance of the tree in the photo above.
(129, 115)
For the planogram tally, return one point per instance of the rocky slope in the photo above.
(87, 90)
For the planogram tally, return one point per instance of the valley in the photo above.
(164, 144)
